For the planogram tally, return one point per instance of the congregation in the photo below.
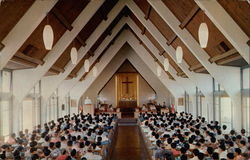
(70, 138)
(180, 136)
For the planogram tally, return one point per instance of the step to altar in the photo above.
(127, 122)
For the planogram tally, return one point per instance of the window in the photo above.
(245, 92)
(5, 103)
(28, 114)
(31, 106)
(52, 108)
(226, 112)
(6, 82)
(5, 117)
(222, 106)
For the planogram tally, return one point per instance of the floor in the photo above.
(129, 144)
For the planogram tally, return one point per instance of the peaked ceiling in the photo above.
(62, 15)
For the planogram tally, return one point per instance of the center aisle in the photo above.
(129, 144)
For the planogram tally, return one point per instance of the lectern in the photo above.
(88, 107)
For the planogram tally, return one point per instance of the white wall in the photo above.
(108, 92)
(145, 91)
(127, 52)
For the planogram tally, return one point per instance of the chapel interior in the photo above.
(124, 79)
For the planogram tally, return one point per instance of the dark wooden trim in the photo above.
(91, 53)
(23, 62)
(143, 31)
(53, 71)
(1, 46)
(148, 12)
(61, 18)
(171, 39)
(224, 55)
(180, 74)
(190, 16)
(28, 58)
(83, 43)
(248, 42)
(161, 52)
(200, 69)
(56, 68)
(194, 67)
(229, 60)
(73, 75)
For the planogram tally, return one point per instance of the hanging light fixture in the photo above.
(73, 55)
(179, 54)
(86, 65)
(159, 70)
(48, 36)
(203, 33)
(95, 71)
(166, 64)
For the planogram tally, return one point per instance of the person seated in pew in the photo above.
(152, 107)
(144, 108)
(63, 135)
(110, 108)
(194, 138)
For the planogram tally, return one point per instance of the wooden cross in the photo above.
(127, 84)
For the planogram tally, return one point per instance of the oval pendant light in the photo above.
(48, 37)
(86, 65)
(179, 54)
(158, 71)
(166, 64)
(203, 35)
(73, 55)
(95, 71)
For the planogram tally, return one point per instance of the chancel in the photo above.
(124, 79)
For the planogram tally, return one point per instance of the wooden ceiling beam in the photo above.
(161, 52)
(202, 69)
(143, 30)
(91, 53)
(66, 24)
(28, 58)
(29, 50)
(148, 12)
(73, 75)
(171, 39)
(1, 46)
(224, 55)
(23, 62)
(180, 74)
(229, 60)
(83, 43)
(194, 67)
(61, 18)
(58, 69)
(190, 16)
(103, 15)
(51, 70)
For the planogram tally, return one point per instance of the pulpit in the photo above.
(88, 107)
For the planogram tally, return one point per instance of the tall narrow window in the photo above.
(5, 117)
(27, 115)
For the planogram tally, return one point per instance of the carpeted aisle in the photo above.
(129, 145)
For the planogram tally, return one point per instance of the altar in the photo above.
(127, 103)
